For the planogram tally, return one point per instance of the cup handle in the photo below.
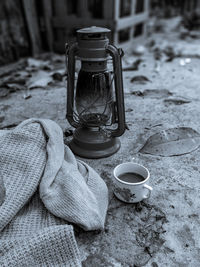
(149, 188)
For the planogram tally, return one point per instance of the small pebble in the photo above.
(182, 62)
(57, 76)
(187, 60)
(139, 50)
(129, 110)
(27, 96)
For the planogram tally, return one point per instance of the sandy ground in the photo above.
(163, 230)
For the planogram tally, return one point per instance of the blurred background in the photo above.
(29, 27)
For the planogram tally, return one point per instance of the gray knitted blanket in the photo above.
(46, 189)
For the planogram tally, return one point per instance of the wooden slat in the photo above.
(116, 8)
(130, 21)
(83, 9)
(60, 11)
(133, 5)
(47, 8)
(60, 7)
(32, 25)
(146, 6)
(116, 17)
(108, 9)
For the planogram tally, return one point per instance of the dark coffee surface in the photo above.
(131, 177)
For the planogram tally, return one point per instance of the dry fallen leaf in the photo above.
(140, 79)
(27, 96)
(36, 63)
(153, 93)
(22, 73)
(176, 101)
(137, 93)
(4, 92)
(134, 66)
(15, 87)
(2, 118)
(39, 79)
(157, 93)
(57, 58)
(58, 74)
(172, 142)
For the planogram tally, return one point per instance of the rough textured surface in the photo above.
(164, 230)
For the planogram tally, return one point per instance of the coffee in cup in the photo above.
(131, 182)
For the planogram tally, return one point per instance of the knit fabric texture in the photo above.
(2, 189)
(46, 189)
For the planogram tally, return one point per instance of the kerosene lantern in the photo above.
(94, 108)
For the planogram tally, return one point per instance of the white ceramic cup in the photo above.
(131, 192)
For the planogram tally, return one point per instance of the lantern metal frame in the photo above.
(88, 141)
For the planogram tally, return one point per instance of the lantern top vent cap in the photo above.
(93, 29)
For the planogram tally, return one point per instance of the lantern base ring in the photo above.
(89, 142)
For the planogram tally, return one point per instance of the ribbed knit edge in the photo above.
(53, 246)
